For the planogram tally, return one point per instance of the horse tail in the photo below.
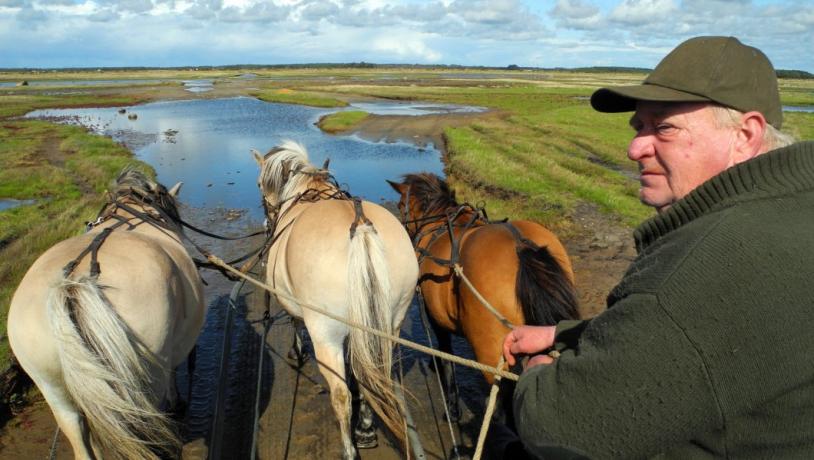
(370, 303)
(543, 289)
(106, 373)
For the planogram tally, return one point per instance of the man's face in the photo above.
(678, 146)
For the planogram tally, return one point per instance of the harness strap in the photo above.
(359, 217)
(519, 237)
(93, 249)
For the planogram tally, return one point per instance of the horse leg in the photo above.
(331, 362)
(69, 420)
(191, 361)
(447, 369)
(296, 351)
(364, 433)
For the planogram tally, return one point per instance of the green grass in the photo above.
(288, 96)
(65, 169)
(342, 121)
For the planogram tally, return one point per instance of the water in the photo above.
(413, 108)
(8, 203)
(206, 145)
(804, 108)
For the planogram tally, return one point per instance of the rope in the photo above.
(490, 410)
(52, 455)
(267, 320)
(416, 346)
(425, 320)
(460, 272)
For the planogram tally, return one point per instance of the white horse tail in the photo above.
(370, 303)
(107, 374)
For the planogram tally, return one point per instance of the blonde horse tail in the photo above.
(106, 373)
(370, 303)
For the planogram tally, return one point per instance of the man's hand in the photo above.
(527, 341)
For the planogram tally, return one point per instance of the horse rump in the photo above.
(543, 289)
(107, 373)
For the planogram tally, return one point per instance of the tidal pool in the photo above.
(206, 144)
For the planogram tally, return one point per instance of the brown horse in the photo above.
(519, 267)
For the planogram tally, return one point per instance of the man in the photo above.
(707, 346)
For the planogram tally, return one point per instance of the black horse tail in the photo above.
(543, 289)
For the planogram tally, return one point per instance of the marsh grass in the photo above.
(341, 121)
(292, 96)
(65, 170)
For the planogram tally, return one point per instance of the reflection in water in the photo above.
(8, 203)
(209, 149)
(804, 108)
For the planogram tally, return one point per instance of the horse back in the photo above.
(311, 258)
(152, 284)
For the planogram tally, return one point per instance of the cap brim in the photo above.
(624, 98)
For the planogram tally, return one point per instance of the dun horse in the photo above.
(519, 267)
(350, 257)
(100, 321)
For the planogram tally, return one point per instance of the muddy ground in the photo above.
(295, 418)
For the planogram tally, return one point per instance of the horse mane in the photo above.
(432, 193)
(132, 181)
(280, 167)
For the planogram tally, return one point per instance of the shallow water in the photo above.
(8, 203)
(206, 144)
(802, 108)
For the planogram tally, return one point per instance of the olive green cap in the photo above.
(704, 69)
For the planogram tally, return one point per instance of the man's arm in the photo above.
(634, 386)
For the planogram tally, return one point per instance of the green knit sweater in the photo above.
(707, 347)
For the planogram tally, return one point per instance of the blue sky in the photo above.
(541, 33)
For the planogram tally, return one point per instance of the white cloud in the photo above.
(405, 49)
(577, 14)
(639, 12)
(566, 33)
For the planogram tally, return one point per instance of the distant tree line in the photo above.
(367, 65)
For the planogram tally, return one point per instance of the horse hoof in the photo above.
(365, 440)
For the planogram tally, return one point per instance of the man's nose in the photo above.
(639, 147)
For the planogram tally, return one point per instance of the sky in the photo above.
(495, 33)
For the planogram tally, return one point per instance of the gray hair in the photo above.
(773, 138)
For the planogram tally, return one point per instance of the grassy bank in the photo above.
(64, 169)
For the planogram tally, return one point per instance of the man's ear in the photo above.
(749, 140)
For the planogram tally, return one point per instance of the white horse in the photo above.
(100, 331)
(352, 258)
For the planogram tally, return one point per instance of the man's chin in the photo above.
(659, 203)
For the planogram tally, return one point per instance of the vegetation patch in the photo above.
(344, 121)
(289, 96)
(65, 170)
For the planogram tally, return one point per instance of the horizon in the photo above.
(567, 34)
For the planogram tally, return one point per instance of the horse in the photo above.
(100, 321)
(519, 267)
(350, 257)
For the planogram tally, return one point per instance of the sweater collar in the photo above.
(774, 173)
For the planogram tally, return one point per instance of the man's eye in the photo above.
(664, 128)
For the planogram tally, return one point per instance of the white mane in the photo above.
(278, 178)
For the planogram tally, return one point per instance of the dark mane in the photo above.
(431, 192)
(133, 183)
